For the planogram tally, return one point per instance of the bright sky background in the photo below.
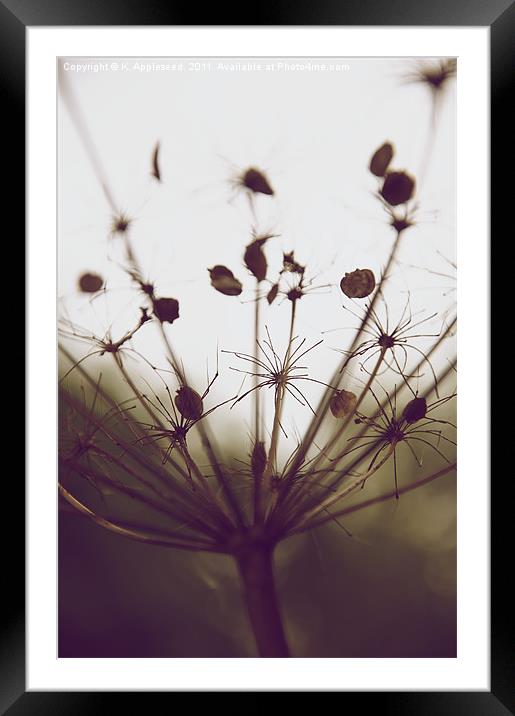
(313, 133)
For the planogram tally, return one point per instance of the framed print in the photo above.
(254, 460)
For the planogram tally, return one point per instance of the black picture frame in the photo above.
(15, 17)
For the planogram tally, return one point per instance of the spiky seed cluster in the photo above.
(120, 223)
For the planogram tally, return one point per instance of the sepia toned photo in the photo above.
(257, 357)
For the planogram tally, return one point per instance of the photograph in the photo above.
(257, 357)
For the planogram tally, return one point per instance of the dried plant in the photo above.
(156, 445)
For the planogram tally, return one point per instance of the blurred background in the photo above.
(389, 590)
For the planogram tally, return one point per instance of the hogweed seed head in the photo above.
(388, 430)
(205, 498)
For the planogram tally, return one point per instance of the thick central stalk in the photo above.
(256, 571)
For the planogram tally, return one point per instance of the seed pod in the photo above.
(290, 265)
(256, 181)
(381, 159)
(272, 294)
(398, 188)
(166, 309)
(415, 410)
(342, 403)
(255, 259)
(358, 284)
(258, 459)
(90, 282)
(224, 281)
(189, 403)
(156, 172)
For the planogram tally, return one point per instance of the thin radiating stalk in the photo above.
(386, 497)
(109, 400)
(128, 448)
(297, 490)
(279, 401)
(206, 440)
(296, 509)
(201, 480)
(192, 507)
(83, 131)
(132, 534)
(329, 501)
(257, 399)
(339, 432)
(335, 382)
(258, 479)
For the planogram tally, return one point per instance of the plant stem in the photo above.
(341, 428)
(337, 378)
(205, 437)
(133, 534)
(258, 512)
(257, 401)
(255, 565)
(279, 400)
(293, 499)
